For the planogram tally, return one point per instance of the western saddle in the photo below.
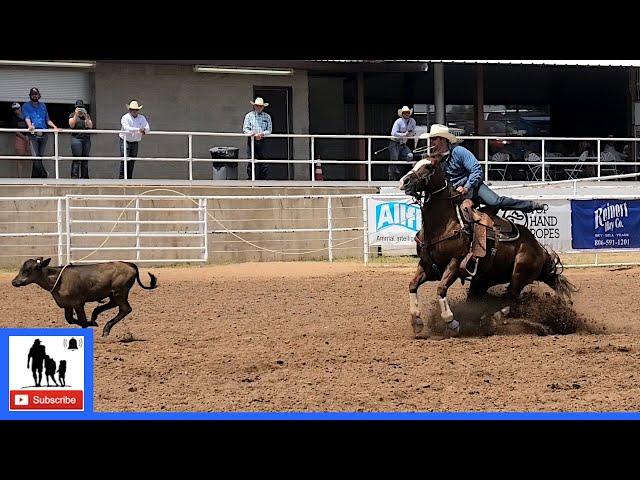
(486, 226)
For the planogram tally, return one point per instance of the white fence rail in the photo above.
(547, 164)
(218, 229)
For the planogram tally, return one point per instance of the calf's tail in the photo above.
(154, 281)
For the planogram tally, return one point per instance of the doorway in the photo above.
(279, 100)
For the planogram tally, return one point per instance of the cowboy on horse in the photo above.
(464, 172)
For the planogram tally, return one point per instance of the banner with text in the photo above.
(393, 221)
(552, 228)
(605, 224)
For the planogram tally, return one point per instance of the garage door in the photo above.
(56, 85)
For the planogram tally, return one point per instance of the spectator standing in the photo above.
(37, 117)
(134, 126)
(258, 124)
(21, 144)
(80, 142)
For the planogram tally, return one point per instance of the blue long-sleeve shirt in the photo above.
(462, 168)
(403, 128)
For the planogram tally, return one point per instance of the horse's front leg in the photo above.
(449, 276)
(414, 309)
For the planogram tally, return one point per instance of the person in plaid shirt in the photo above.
(257, 123)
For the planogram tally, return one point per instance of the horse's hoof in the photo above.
(417, 325)
(452, 329)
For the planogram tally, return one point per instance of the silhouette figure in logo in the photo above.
(62, 370)
(37, 354)
(50, 369)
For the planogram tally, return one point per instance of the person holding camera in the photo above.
(80, 142)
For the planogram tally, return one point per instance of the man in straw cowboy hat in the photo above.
(134, 126)
(464, 172)
(257, 123)
(403, 128)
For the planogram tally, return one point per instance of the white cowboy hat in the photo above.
(133, 105)
(260, 102)
(438, 130)
(405, 109)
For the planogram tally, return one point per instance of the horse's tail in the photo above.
(552, 275)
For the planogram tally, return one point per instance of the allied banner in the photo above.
(393, 221)
(605, 224)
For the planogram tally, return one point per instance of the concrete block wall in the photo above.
(175, 98)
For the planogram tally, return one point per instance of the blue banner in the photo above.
(605, 224)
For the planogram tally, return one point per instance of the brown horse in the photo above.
(444, 241)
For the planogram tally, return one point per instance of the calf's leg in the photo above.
(101, 308)
(82, 317)
(68, 315)
(125, 309)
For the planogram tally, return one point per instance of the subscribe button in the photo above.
(46, 400)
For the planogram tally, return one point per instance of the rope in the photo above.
(58, 279)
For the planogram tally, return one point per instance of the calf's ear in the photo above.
(41, 264)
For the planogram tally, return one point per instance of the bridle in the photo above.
(421, 199)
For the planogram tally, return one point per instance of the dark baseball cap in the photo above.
(80, 103)
(34, 91)
(15, 105)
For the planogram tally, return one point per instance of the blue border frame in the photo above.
(89, 414)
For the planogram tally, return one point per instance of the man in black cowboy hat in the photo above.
(36, 116)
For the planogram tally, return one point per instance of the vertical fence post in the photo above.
(59, 222)
(68, 222)
(330, 227)
(486, 159)
(253, 159)
(125, 157)
(313, 159)
(205, 230)
(138, 228)
(365, 233)
(543, 160)
(190, 157)
(55, 153)
(598, 154)
(369, 140)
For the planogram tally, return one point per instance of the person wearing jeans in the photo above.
(134, 126)
(258, 124)
(80, 142)
(403, 128)
(36, 116)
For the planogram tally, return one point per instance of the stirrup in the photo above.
(475, 267)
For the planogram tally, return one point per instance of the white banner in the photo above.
(551, 228)
(393, 221)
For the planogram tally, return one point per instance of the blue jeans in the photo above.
(80, 147)
(399, 151)
(38, 144)
(490, 198)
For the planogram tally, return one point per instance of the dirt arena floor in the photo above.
(337, 337)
